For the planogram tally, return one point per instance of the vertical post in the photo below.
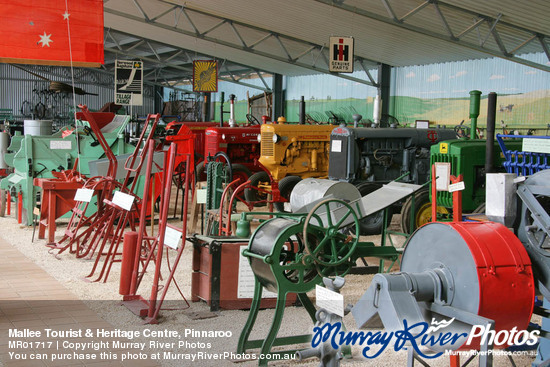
(153, 205)
(206, 107)
(8, 203)
(158, 99)
(163, 216)
(142, 225)
(128, 257)
(490, 138)
(454, 360)
(3, 195)
(19, 207)
(278, 97)
(434, 195)
(457, 200)
(384, 82)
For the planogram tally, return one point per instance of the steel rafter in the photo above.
(448, 35)
(283, 40)
(179, 71)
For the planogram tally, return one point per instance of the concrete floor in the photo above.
(31, 299)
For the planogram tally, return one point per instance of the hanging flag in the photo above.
(38, 32)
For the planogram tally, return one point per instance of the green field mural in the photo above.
(436, 92)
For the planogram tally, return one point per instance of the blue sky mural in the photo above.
(456, 79)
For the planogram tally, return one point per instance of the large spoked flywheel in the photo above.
(280, 242)
(281, 259)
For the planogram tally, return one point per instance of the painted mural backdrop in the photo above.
(437, 92)
(440, 92)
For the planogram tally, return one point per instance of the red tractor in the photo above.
(197, 128)
(241, 146)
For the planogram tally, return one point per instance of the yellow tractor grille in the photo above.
(267, 143)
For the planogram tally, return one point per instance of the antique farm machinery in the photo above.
(115, 200)
(293, 252)
(36, 156)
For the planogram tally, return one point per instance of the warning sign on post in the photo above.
(129, 82)
(341, 54)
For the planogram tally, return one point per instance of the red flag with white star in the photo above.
(52, 32)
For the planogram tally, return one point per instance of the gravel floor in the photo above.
(103, 297)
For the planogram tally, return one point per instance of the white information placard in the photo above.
(201, 196)
(336, 146)
(84, 195)
(172, 238)
(459, 186)
(536, 145)
(61, 144)
(123, 200)
(443, 176)
(245, 286)
(329, 300)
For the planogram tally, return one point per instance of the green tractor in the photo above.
(467, 157)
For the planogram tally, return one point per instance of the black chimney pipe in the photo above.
(302, 111)
(490, 138)
(222, 96)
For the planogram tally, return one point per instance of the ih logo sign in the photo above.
(341, 54)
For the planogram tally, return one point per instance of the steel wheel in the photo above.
(335, 248)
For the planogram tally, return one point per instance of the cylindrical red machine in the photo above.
(487, 271)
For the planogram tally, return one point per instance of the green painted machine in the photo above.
(293, 252)
(467, 157)
(34, 156)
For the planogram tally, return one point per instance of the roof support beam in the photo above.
(443, 20)
(440, 36)
(476, 24)
(389, 9)
(174, 70)
(544, 46)
(286, 59)
(491, 29)
(414, 11)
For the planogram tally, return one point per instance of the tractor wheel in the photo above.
(422, 211)
(252, 195)
(286, 185)
(374, 223)
(240, 172)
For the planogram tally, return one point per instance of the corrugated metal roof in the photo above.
(241, 29)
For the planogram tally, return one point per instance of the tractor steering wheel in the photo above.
(462, 131)
(252, 119)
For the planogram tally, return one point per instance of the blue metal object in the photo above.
(543, 351)
(523, 163)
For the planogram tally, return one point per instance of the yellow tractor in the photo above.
(289, 153)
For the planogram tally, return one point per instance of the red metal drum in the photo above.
(489, 266)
